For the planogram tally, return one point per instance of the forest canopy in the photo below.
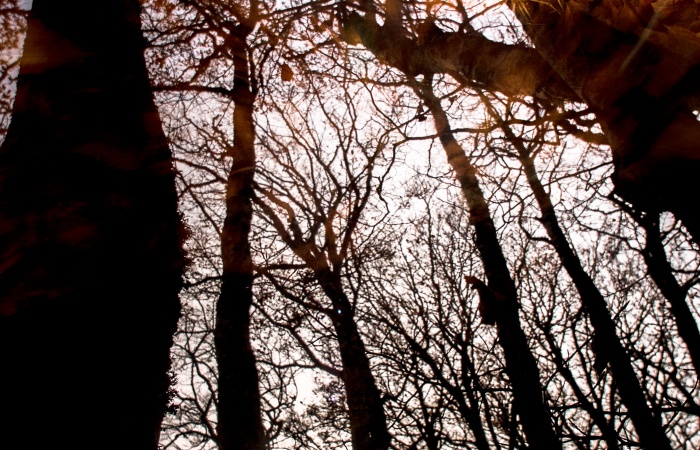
(428, 225)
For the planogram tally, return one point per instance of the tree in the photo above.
(404, 151)
(605, 344)
(91, 237)
(523, 371)
(633, 64)
(229, 28)
(239, 416)
(320, 221)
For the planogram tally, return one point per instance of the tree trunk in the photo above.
(90, 237)
(638, 78)
(239, 411)
(528, 397)
(606, 344)
(661, 272)
(368, 427)
(637, 70)
(469, 57)
(365, 407)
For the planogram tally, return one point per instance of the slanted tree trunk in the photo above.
(239, 412)
(661, 272)
(528, 397)
(606, 345)
(635, 69)
(368, 426)
(90, 237)
(636, 66)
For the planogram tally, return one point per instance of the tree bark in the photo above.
(637, 70)
(365, 407)
(90, 237)
(469, 57)
(607, 345)
(638, 79)
(368, 427)
(661, 272)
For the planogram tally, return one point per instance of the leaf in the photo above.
(286, 73)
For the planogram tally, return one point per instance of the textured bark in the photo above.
(637, 70)
(90, 237)
(239, 412)
(514, 70)
(368, 427)
(528, 397)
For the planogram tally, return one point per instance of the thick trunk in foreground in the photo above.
(637, 68)
(520, 364)
(239, 412)
(90, 237)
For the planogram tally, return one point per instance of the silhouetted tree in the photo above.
(91, 237)
(369, 314)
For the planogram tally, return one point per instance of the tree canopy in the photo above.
(420, 224)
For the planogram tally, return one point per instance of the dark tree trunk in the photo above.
(606, 344)
(661, 272)
(639, 79)
(90, 237)
(365, 407)
(528, 397)
(239, 420)
(368, 427)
